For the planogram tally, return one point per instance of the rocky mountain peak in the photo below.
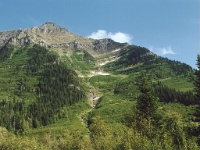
(55, 37)
(49, 24)
(47, 28)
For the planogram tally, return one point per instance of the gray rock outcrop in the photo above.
(55, 37)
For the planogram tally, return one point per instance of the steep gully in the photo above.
(93, 95)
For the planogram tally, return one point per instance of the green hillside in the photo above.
(36, 88)
(135, 59)
(52, 101)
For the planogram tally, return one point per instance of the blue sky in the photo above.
(169, 28)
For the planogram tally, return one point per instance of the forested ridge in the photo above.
(136, 59)
(144, 101)
(55, 87)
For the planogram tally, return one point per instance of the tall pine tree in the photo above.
(197, 81)
(146, 106)
(197, 97)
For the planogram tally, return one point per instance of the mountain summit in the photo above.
(53, 36)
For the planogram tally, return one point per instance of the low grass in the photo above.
(179, 83)
(112, 108)
(105, 83)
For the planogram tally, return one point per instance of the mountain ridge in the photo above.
(55, 37)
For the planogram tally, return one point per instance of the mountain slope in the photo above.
(136, 58)
(66, 91)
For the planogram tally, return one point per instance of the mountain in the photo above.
(60, 90)
(53, 36)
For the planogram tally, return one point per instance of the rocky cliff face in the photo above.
(55, 37)
(6, 36)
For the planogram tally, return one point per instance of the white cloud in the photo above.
(100, 34)
(118, 36)
(162, 51)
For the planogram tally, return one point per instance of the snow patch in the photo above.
(102, 73)
(94, 73)
(113, 59)
(117, 50)
(102, 64)
(96, 98)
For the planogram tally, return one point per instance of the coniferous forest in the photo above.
(55, 88)
(49, 101)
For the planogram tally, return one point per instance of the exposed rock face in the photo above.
(106, 44)
(6, 36)
(53, 36)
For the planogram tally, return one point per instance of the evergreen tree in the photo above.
(197, 96)
(146, 106)
(197, 81)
